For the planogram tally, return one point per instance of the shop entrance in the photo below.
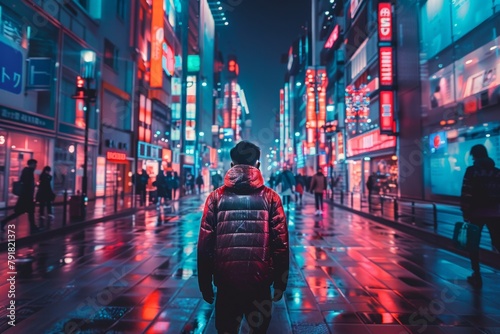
(18, 160)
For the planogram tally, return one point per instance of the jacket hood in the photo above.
(243, 178)
(486, 163)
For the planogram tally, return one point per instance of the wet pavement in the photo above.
(101, 208)
(348, 275)
(437, 218)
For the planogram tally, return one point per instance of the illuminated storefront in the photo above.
(372, 153)
(460, 89)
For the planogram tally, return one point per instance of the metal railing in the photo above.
(438, 217)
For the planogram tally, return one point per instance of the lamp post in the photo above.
(87, 73)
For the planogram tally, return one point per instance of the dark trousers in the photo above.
(286, 201)
(142, 196)
(30, 210)
(298, 196)
(493, 225)
(44, 204)
(318, 200)
(232, 304)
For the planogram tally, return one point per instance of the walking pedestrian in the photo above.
(161, 188)
(318, 186)
(200, 183)
(45, 195)
(299, 188)
(216, 180)
(480, 203)
(175, 185)
(140, 180)
(243, 246)
(287, 181)
(170, 185)
(25, 203)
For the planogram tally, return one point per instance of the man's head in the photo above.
(245, 153)
(479, 152)
(32, 163)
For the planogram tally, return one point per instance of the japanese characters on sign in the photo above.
(25, 118)
(11, 69)
(386, 53)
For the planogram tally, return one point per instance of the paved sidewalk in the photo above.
(420, 215)
(348, 275)
(98, 210)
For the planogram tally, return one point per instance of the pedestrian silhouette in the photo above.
(25, 203)
(287, 182)
(200, 183)
(45, 195)
(299, 188)
(141, 181)
(480, 203)
(317, 187)
(243, 245)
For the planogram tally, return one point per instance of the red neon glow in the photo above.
(386, 111)
(157, 37)
(333, 37)
(116, 156)
(384, 22)
(386, 66)
(370, 141)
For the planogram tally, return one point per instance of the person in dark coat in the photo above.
(25, 203)
(45, 195)
(243, 245)
(141, 181)
(161, 188)
(318, 187)
(287, 181)
(175, 185)
(480, 203)
(216, 180)
(199, 183)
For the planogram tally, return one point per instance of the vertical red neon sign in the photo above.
(157, 37)
(384, 22)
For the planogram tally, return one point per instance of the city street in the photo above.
(348, 275)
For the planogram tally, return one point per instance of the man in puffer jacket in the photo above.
(243, 245)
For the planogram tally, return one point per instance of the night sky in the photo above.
(259, 32)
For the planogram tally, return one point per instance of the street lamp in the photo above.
(88, 94)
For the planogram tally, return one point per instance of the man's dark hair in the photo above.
(32, 161)
(245, 153)
(479, 152)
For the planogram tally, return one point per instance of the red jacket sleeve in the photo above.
(206, 244)
(279, 244)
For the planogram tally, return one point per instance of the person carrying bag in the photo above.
(480, 204)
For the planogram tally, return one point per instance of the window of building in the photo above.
(92, 7)
(120, 9)
(110, 54)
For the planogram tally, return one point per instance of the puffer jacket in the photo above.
(480, 196)
(243, 239)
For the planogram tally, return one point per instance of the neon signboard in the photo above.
(385, 24)
(157, 38)
(386, 111)
(386, 65)
(333, 37)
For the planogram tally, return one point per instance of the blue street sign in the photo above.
(11, 69)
